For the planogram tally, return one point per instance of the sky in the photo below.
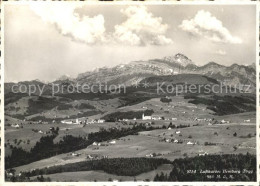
(47, 41)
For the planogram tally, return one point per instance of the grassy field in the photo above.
(235, 137)
(152, 142)
(26, 132)
(103, 176)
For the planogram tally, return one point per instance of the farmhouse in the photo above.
(10, 174)
(112, 142)
(190, 143)
(156, 118)
(75, 154)
(146, 117)
(149, 155)
(15, 126)
(200, 120)
(224, 121)
(66, 122)
(100, 120)
(203, 154)
(178, 132)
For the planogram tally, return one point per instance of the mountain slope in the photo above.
(136, 71)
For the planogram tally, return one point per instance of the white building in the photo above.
(146, 117)
(190, 143)
(112, 142)
(15, 126)
(223, 121)
(66, 122)
(178, 132)
(101, 121)
(75, 154)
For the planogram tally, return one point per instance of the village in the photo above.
(174, 130)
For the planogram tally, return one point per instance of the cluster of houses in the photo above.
(156, 118)
(41, 122)
(88, 156)
(83, 121)
(100, 144)
(210, 120)
(203, 119)
(179, 141)
(75, 154)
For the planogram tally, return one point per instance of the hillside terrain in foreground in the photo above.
(84, 136)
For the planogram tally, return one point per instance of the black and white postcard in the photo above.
(130, 92)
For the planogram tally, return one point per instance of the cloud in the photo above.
(208, 26)
(141, 28)
(220, 52)
(85, 29)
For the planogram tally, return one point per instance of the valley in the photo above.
(88, 136)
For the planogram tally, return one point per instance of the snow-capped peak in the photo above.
(179, 59)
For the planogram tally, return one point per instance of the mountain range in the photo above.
(136, 71)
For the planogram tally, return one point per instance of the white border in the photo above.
(257, 4)
(257, 92)
(2, 171)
